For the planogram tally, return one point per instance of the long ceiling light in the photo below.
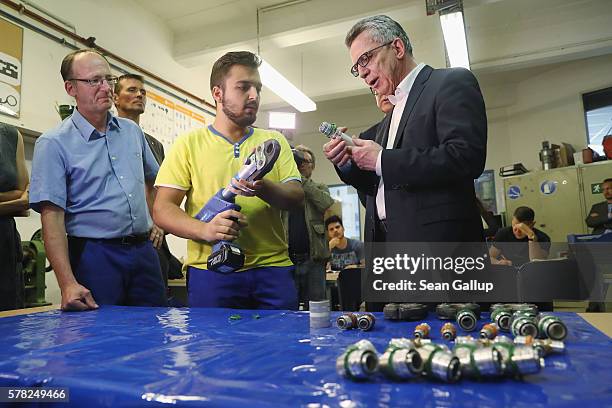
(278, 84)
(453, 30)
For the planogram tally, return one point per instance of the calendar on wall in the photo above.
(165, 119)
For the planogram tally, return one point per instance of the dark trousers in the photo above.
(269, 287)
(118, 274)
(11, 275)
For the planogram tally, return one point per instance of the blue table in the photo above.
(120, 356)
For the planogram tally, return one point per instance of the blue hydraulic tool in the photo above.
(227, 257)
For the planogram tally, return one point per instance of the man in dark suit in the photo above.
(418, 172)
(600, 216)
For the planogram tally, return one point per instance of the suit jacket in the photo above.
(156, 147)
(598, 218)
(439, 150)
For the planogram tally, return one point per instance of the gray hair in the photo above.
(382, 29)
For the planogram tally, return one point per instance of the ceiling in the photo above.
(304, 39)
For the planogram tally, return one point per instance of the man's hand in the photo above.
(365, 154)
(333, 243)
(246, 188)
(222, 227)
(156, 236)
(525, 230)
(337, 151)
(77, 298)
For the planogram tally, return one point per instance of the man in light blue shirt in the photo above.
(92, 179)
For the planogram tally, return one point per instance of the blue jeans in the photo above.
(268, 287)
(117, 274)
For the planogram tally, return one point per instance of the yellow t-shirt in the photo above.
(202, 162)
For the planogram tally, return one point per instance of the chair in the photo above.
(349, 289)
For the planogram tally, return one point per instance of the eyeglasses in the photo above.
(110, 80)
(364, 59)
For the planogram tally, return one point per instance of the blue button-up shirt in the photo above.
(98, 179)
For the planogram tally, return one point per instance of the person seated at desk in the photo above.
(345, 252)
(509, 246)
(600, 216)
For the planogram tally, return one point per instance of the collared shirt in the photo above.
(402, 93)
(96, 178)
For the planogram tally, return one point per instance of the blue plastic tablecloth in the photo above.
(131, 356)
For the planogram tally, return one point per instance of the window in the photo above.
(347, 196)
(598, 117)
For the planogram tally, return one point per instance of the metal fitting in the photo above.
(501, 317)
(466, 319)
(448, 331)
(477, 361)
(346, 321)
(366, 321)
(524, 326)
(526, 360)
(405, 311)
(552, 327)
(466, 340)
(422, 331)
(401, 360)
(358, 362)
(544, 347)
(440, 363)
(489, 331)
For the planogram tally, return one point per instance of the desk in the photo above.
(120, 356)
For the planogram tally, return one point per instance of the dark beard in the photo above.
(240, 120)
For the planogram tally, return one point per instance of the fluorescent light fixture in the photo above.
(454, 38)
(278, 84)
(282, 120)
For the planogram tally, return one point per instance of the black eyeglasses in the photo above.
(364, 59)
(111, 81)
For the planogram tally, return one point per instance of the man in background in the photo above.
(345, 251)
(600, 216)
(520, 243)
(131, 100)
(306, 232)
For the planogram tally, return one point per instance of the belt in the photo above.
(126, 240)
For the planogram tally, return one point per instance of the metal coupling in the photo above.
(552, 327)
(501, 317)
(523, 325)
(401, 360)
(477, 361)
(489, 331)
(544, 347)
(346, 321)
(526, 360)
(358, 362)
(366, 321)
(405, 311)
(440, 363)
(422, 331)
(448, 331)
(465, 340)
(466, 319)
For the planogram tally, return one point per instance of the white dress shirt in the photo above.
(399, 100)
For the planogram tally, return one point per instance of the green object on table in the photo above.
(235, 317)
(256, 316)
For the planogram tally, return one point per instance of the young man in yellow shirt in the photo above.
(200, 164)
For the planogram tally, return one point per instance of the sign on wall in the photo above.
(11, 53)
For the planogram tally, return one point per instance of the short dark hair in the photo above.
(223, 65)
(127, 76)
(608, 180)
(332, 219)
(524, 214)
(66, 68)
